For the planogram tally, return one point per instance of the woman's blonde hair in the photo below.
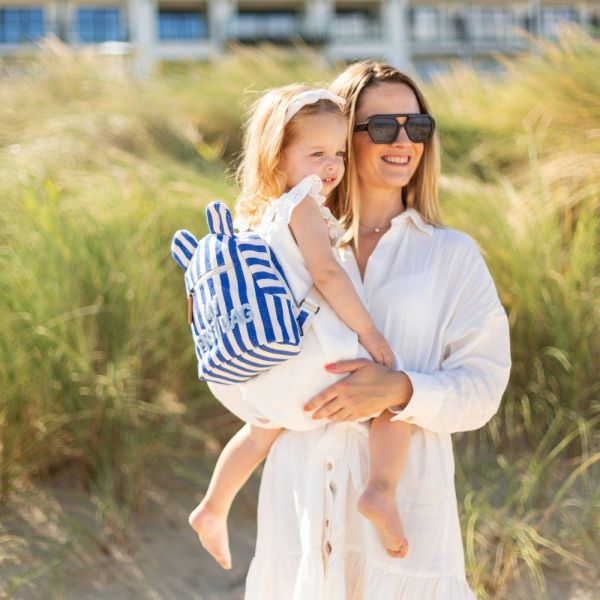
(421, 192)
(265, 138)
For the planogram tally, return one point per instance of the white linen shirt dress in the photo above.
(430, 293)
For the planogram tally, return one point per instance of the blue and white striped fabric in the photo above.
(243, 316)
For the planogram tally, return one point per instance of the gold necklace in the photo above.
(375, 229)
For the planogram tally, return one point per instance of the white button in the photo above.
(329, 466)
(328, 548)
(326, 522)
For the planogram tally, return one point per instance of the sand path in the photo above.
(64, 554)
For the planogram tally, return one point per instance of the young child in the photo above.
(294, 148)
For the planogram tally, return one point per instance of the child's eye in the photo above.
(341, 153)
(317, 154)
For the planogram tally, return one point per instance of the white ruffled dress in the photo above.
(431, 295)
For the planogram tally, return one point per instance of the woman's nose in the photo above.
(401, 138)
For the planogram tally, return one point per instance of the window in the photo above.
(269, 25)
(553, 16)
(181, 25)
(358, 24)
(425, 23)
(95, 25)
(490, 23)
(19, 25)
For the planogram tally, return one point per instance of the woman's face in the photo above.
(386, 166)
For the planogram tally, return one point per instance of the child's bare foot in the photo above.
(211, 528)
(380, 508)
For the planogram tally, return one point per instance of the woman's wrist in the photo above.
(402, 391)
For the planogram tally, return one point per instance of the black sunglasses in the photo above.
(384, 129)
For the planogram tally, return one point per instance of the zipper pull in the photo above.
(190, 307)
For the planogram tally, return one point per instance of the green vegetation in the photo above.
(96, 364)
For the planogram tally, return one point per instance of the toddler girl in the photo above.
(294, 153)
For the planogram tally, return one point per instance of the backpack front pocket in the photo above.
(202, 279)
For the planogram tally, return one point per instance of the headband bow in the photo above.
(310, 97)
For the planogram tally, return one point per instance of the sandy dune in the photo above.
(60, 551)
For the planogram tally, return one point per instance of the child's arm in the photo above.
(310, 231)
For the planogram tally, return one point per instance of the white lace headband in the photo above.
(310, 97)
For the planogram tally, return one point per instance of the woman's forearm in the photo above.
(401, 390)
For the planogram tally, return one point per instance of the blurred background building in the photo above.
(425, 35)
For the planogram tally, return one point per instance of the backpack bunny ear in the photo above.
(219, 220)
(182, 247)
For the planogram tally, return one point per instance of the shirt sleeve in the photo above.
(466, 390)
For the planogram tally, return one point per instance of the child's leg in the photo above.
(388, 444)
(242, 454)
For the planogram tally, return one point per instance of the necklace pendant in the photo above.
(377, 229)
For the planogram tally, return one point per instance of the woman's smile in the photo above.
(396, 159)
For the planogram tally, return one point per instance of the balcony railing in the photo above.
(274, 27)
(432, 26)
(355, 26)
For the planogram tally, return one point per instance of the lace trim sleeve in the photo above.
(311, 186)
(286, 203)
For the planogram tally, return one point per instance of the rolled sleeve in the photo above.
(425, 403)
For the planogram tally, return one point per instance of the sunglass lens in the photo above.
(383, 130)
(419, 128)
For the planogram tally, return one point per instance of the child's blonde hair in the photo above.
(266, 136)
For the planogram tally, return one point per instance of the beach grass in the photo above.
(97, 369)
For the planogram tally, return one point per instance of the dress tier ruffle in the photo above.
(350, 577)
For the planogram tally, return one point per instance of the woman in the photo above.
(430, 293)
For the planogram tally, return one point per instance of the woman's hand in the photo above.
(367, 390)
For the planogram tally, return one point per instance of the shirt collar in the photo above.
(417, 219)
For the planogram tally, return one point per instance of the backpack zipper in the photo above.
(200, 279)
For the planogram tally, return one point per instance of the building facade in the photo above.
(416, 34)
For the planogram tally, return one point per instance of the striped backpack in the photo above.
(243, 316)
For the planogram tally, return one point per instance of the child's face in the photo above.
(319, 149)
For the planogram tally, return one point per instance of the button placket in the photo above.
(326, 546)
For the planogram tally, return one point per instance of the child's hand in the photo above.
(377, 346)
